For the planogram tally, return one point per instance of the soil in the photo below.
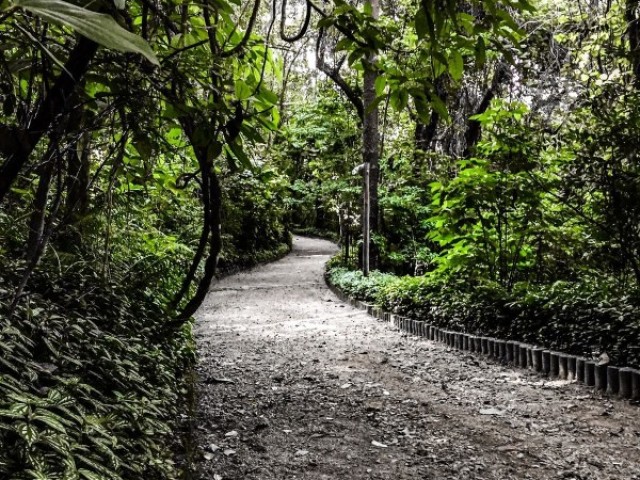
(295, 384)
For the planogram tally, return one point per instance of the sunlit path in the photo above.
(297, 385)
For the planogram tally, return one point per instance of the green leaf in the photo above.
(99, 27)
(27, 432)
(373, 105)
(421, 24)
(381, 83)
(243, 91)
(239, 153)
(481, 52)
(456, 65)
(89, 475)
(440, 107)
(50, 420)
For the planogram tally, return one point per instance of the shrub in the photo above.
(585, 318)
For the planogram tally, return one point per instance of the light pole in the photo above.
(365, 169)
(366, 220)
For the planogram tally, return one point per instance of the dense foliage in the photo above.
(583, 318)
(512, 208)
(147, 145)
(127, 182)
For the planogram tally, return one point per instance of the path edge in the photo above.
(622, 382)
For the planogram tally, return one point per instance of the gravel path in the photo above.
(295, 384)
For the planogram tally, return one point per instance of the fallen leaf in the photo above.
(491, 411)
(212, 380)
(378, 444)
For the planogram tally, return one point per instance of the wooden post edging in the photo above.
(623, 382)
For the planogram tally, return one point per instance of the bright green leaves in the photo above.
(28, 433)
(242, 90)
(99, 27)
(456, 65)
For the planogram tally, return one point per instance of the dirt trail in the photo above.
(322, 391)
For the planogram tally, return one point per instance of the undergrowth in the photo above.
(88, 387)
(587, 317)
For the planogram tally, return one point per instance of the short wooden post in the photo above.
(477, 344)
(562, 366)
(580, 361)
(635, 384)
(536, 357)
(490, 346)
(613, 380)
(509, 351)
(589, 373)
(502, 350)
(624, 382)
(571, 367)
(546, 361)
(600, 377)
(554, 364)
(516, 354)
(523, 355)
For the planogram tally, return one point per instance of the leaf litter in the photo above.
(409, 408)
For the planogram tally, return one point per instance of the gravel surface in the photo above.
(294, 384)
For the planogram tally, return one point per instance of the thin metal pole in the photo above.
(366, 219)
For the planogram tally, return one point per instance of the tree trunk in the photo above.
(371, 145)
(474, 127)
(633, 32)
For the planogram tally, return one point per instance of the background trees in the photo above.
(522, 200)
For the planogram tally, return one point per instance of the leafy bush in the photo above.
(87, 387)
(355, 284)
(584, 318)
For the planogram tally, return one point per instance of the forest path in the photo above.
(322, 391)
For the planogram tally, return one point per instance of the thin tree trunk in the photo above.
(371, 144)
(633, 33)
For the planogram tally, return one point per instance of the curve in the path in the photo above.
(295, 384)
